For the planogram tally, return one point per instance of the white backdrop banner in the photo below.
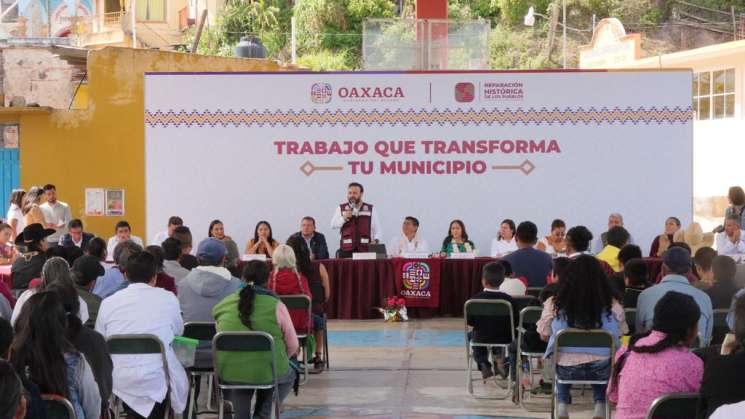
(476, 146)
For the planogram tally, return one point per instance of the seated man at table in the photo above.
(614, 220)
(315, 241)
(485, 330)
(76, 236)
(409, 241)
(731, 242)
(123, 232)
(527, 262)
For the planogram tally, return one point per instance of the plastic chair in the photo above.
(721, 328)
(497, 309)
(579, 338)
(674, 406)
(301, 302)
(529, 316)
(534, 291)
(58, 407)
(631, 319)
(203, 332)
(244, 342)
(139, 344)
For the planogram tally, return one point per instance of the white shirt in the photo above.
(727, 248)
(159, 238)
(113, 241)
(82, 314)
(59, 215)
(15, 213)
(502, 247)
(376, 233)
(139, 380)
(729, 411)
(401, 244)
(513, 287)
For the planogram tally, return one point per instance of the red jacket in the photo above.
(287, 282)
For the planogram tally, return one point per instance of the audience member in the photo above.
(731, 241)
(504, 243)
(736, 197)
(584, 301)
(287, 280)
(457, 240)
(171, 255)
(173, 222)
(676, 263)
(6, 305)
(163, 280)
(485, 329)
(614, 220)
(560, 265)
(663, 241)
(15, 212)
(32, 213)
(554, 244)
(56, 213)
(6, 338)
(186, 260)
(262, 242)
(636, 280)
(8, 253)
(320, 290)
(123, 232)
(255, 308)
(207, 284)
(34, 405)
(578, 240)
(409, 241)
(316, 241)
(658, 362)
(41, 352)
(97, 248)
(527, 262)
(618, 279)
(723, 381)
(12, 400)
(140, 382)
(616, 238)
(28, 264)
(85, 271)
(86, 340)
(724, 287)
(511, 285)
(233, 256)
(75, 237)
(113, 279)
(703, 260)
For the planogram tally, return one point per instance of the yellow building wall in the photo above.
(103, 146)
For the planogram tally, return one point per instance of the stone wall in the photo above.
(37, 75)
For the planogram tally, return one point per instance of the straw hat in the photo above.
(694, 236)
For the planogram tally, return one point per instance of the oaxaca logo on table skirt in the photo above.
(418, 281)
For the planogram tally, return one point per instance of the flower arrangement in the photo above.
(394, 310)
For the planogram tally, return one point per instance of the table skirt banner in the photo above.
(418, 281)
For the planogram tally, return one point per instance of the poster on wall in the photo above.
(9, 137)
(95, 202)
(114, 202)
(480, 147)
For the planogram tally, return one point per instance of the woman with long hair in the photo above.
(658, 362)
(42, 353)
(457, 240)
(217, 230)
(504, 243)
(262, 242)
(31, 209)
(287, 279)
(663, 241)
(255, 308)
(15, 212)
(584, 301)
(320, 289)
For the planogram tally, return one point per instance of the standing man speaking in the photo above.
(357, 221)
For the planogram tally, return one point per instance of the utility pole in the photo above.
(564, 41)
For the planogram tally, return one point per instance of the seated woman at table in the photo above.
(457, 240)
(320, 290)
(584, 301)
(286, 279)
(217, 230)
(504, 243)
(7, 252)
(662, 242)
(262, 243)
(554, 244)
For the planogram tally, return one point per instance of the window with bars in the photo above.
(714, 94)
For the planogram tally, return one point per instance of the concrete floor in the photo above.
(413, 370)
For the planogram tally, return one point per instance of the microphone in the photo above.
(355, 210)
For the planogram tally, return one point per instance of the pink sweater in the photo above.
(645, 377)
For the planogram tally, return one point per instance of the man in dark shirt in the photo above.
(486, 329)
(315, 241)
(76, 236)
(527, 262)
(724, 288)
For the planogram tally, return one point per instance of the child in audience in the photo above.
(560, 265)
(658, 362)
(636, 280)
(511, 286)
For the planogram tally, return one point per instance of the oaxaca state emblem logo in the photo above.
(416, 278)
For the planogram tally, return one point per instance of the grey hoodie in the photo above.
(202, 289)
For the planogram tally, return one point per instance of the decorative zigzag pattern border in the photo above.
(421, 117)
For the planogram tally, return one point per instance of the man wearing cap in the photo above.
(86, 270)
(676, 264)
(207, 284)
